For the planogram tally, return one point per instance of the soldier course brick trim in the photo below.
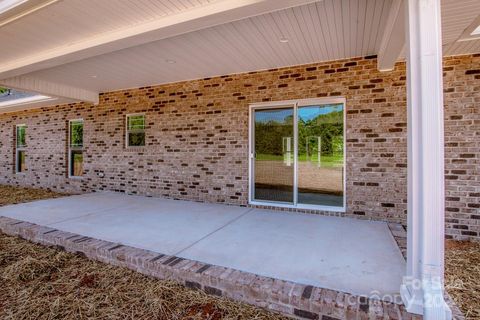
(289, 298)
(197, 138)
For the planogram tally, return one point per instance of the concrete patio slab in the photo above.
(353, 256)
(163, 225)
(45, 212)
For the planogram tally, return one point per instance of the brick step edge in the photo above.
(292, 299)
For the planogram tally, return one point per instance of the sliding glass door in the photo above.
(273, 155)
(298, 154)
(320, 155)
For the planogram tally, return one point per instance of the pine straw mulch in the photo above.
(14, 195)
(43, 283)
(462, 276)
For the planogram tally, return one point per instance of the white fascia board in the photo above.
(393, 39)
(24, 101)
(50, 89)
(16, 107)
(210, 15)
(20, 9)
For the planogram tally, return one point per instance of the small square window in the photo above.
(135, 130)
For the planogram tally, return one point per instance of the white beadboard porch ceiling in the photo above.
(319, 31)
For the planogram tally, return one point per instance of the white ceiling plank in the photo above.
(393, 38)
(183, 22)
(377, 16)
(324, 25)
(339, 27)
(331, 19)
(51, 89)
(318, 31)
(346, 20)
(370, 10)
(362, 16)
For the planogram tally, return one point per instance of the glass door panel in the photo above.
(273, 155)
(320, 155)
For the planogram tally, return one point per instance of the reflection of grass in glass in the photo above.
(326, 160)
(21, 161)
(77, 158)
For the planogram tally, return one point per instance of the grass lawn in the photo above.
(44, 283)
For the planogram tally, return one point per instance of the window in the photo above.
(297, 154)
(135, 130)
(20, 152)
(76, 148)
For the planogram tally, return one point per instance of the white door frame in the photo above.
(251, 156)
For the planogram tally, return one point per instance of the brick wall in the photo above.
(197, 138)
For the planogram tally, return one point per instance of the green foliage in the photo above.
(136, 130)
(324, 128)
(327, 127)
(136, 122)
(136, 139)
(21, 136)
(3, 90)
(76, 133)
(269, 136)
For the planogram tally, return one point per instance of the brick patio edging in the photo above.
(289, 298)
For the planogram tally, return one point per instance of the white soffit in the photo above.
(325, 30)
(457, 16)
(69, 21)
(320, 31)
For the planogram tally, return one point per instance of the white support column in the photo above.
(422, 291)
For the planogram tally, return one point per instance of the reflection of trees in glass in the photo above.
(329, 127)
(136, 130)
(317, 128)
(76, 133)
(3, 90)
(21, 136)
(269, 134)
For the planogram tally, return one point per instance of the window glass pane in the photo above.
(136, 122)
(274, 166)
(21, 133)
(320, 155)
(76, 163)
(76, 133)
(21, 161)
(136, 139)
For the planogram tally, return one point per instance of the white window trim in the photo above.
(295, 104)
(127, 146)
(69, 165)
(17, 149)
